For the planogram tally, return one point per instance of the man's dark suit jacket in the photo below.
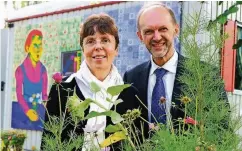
(139, 77)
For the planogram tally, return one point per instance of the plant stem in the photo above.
(119, 124)
(60, 128)
(132, 132)
(138, 138)
(47, 113)
(128, 137)
(147, 109)
(58, 89)
(144, 120)
(183, 127)
(76, 122)
(100, 105)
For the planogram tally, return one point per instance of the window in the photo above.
(70, 62)
(238, 67)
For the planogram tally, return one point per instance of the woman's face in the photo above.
(99, 51)
(35, 49)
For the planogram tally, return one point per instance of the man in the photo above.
(158, 79)
(157, 29)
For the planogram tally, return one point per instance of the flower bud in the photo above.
(57, 77)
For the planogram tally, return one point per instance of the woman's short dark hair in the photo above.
(102, 23)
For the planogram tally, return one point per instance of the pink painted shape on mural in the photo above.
(34, 75)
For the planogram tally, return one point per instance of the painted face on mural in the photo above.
(35, 49)
(157, 32)
(99, 51)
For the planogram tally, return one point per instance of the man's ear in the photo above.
(177, 30)
(139, 35)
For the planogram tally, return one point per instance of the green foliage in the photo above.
(238, 44)
(112, 128)
(94, 87)
(214, 128)
(115, 90)
(209, 105)
(238, 2)
(56, 125)
(222, 18)
(163, 140)
(12, 139)
(116, 102)
(220, 2)
(77, 107)
(115, 117)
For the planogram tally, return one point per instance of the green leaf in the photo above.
(210, 24)
(115, 117)
(73, 101)
(220, 2)
(117, 101)
(233, 9)
(112, 128)
(238, 2)
(109, 100)
(93, 114)
(117, 136)
(222, 19)
(238, 44)
(94, 87)
(84, 104)
(115, 90)
(78, 111)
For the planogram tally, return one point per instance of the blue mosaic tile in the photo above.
(131, 51)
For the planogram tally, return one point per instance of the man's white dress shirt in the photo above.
(168, 79)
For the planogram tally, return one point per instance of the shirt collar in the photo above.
(170, 65)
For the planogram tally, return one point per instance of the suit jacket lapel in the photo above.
(177, 84)
(143, 82)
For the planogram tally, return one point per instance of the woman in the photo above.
(31, 86)
(99, 41)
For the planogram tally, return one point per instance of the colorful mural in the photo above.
(43, 46)
(31, 85)
(70, 62)
(61, 38)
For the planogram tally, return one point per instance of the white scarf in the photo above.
(83, 78)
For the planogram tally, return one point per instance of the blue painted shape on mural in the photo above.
(21, 121)
(68, 64)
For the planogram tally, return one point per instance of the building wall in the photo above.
(212, 10)
(61, 34)
(130, 47)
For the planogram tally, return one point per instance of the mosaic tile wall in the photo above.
(131, 51)
(63, 35)
(58, 36)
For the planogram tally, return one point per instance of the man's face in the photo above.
(35, 49)
(157, 32)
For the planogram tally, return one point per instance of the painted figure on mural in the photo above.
(31, 85)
